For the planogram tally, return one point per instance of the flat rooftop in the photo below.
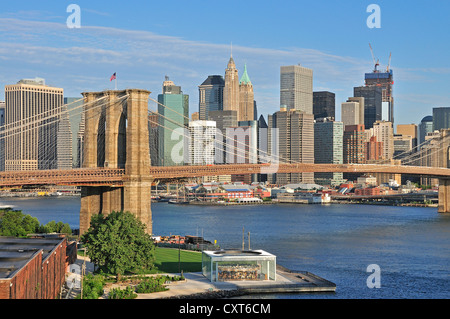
(15, 253)
(237, 254)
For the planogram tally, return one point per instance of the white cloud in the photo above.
(83, 59)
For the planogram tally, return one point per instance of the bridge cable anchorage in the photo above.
(224, 144)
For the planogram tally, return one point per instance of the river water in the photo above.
(411, 245)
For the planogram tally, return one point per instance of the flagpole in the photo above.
(115, 81)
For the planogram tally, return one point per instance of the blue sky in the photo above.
(188, 40)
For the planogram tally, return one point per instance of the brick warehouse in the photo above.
(34, 268)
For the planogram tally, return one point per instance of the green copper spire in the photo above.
(245, 79)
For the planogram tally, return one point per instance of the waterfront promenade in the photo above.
(196, 286)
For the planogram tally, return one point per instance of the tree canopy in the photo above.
(14, 223)
(118, 243)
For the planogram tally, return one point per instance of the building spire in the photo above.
(245, 79)
(231, 64)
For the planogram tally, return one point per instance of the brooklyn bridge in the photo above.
(116, 172)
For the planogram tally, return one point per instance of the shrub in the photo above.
(151, 284)
(127, 293)
(93, 286)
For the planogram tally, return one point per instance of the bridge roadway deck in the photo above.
(115, 176)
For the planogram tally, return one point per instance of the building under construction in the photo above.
(384, 79)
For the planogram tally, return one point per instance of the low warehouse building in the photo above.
(33, 268)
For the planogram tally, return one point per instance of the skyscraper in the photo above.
(385, 80)
(2, 138)
(425, 127)
(246, 98)
(242, 147)
(173, 123)
(210, 96)
(296, 88)
(295, 142)
(223, 119)
(38, 127)
(372, 103)
(324, 104)
(201, 142)
(409, 129)
(384, 132)
(328, 143)
(75, 117)
(352, 111)
(354, 148)
(231, 89)
(441, 118)
(403, 145)
(374, 149)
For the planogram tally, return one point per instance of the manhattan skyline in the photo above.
(188, 41)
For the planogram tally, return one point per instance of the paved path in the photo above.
(196, 283)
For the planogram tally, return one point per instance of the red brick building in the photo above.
(368, 191)
(33, 268)
(374, 149)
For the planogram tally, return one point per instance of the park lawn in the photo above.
(167, 260)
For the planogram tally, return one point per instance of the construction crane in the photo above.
(377, 62)
(389, 63)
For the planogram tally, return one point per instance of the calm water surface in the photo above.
(337, 242)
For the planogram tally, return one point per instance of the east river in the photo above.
(410, 245)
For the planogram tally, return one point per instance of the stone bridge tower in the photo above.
(444, 161)
(116, 136)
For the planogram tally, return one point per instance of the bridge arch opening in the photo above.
(122, 141)
(101, 130)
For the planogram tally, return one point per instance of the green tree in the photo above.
(118, 243)
(30, 224)
(51, 227)
(65, 229)
(59, 226)
(11, 224)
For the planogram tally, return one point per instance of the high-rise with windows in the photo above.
(328, 143)
(294, 143)
(296, 88)
(2, 138)
(385, 81)
(411, 130)
(38, 125)
(441, 118)
(384, 132)
(324, 104)
(173, 121)
(354, 148)
(372, 103)
(76, 115)
(246, 98)
(231, 89)
(210, 96)
(352, 111)
(425, 127)
(202, 142)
